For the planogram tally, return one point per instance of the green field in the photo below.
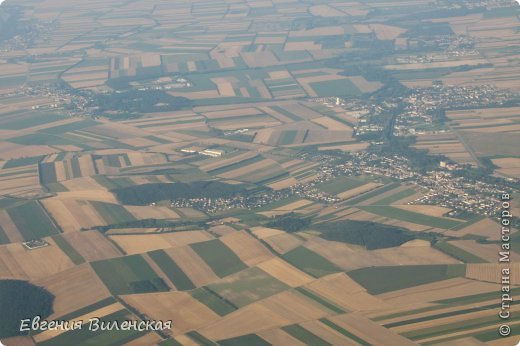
(74, 256)
(395, 197)
(78, 125)
(248, 286)
(24, 161)
(213, 301)
(458, 253)
(339, 87)
(235, 165)
(345, 332)
(340, 184)
(320, 300)
(304, 335)
(128, 275)
(438, 316)
(89, 308)
(47, 173)
(200, 339)
(37, 226)
(410, 216)
(310, 262)
(373, 193)
(249, 340)
(112, 213)
(3, 237)
(172, 270)
(457, 327)
(30, 120)
(379, 280)
(219, 257)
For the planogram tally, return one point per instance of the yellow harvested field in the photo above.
(369, 331)
(140, 243)
(283, 184)
(365, 85)
(508, 166)
(72, 215)
(279, 337)
(264, 232)
(88, 195)
(146, 340)
(83, 183)
(350, 257)
(57, 209)
(386, 32)
(278, 310)
(180, 307)
(325, 11)
(9, 228)
(286, 273)
(283, 243)
(192, 265)
(331, 124)
(248, 249)
(152, 212)
(327, 333)
(92, 245)
(486, 228)
(492, 272)
(428, 65)
(445, 289)
(294, 205)
(208, 165)
(358, 190)
(18, 263)
(345, 292)
(74, 289)
(99, 313)
(488, 252)
(431, 210)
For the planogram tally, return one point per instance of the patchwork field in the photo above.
(260, 172)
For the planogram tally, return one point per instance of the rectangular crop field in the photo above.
(127, 275)
(32, 221)
(172, 270)
(310, 262)
(409, 216)
(219, 257)
(379, 280)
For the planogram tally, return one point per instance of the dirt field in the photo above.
(9, 227)
(248, 249)
(186, 312)
(286, 273)
(192, 265)
(486, 228)
(149, 212)
(74, 289)
(491, 272)
(370, 331)
(283, 243)
(140, 243)
(92, 245)
(351, 257)
(345, 292)
(358, 190)
(281, 309)
(445, 289)
(279, 337)
(17, 262)
(264, 232)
